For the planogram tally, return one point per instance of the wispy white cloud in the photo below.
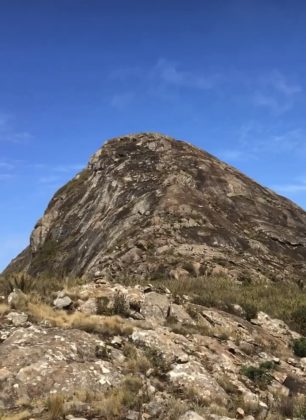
(56, 175)
(122, 100)
(161, 80)
(49, 179)
(4, 118)
(275, 104)
(65, 168)
(69, 167)
(231, 155)
(253, 140)
(167, 80)
(275, 92)
(6, 165)
(257, 138)
(6, 176)
(172, 74)
(280, 83)
(44, 173)
(9, 133)
(296, 187)
(126, 73)
(168, 72)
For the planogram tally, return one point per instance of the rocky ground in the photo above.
(107, 351)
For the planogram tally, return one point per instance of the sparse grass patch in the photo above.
(25, 414)
(292, 407)
(299, 410)
(129, 351)
(175, 408)
(115, 402)
(74, 184)
(55, 406)
(284, 301)
(139, 364)
(107, 326)
(285, 407)
(250, 407)
(228, 386)
(187, 328)
(191, 395)
(42, 285)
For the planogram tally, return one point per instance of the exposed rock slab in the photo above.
(149, 206)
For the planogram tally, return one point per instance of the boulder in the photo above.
(17, 318)
(62, 302)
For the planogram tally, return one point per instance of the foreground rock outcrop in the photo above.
(148, 206)
(154, 359)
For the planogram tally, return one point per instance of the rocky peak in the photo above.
(149, 206)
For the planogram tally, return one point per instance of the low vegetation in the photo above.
(292, 407)
(284, 301)
(259, 375)
(74, 184)
(42, 285)
(143, 364)
(41, 311)
(55, 406)
(109, 405)
(299, 347)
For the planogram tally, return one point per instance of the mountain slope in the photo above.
(148, 206)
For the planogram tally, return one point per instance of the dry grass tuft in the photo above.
(107, 326)
(4, 309)
(18, 416)
(43, 285)
(55, 406)
(138, 364)
(114, 403)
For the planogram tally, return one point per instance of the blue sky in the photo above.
(226, 75)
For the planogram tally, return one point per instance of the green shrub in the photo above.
(120, 305)
(299, 347)
(299, 319)
(268, 365)
(21, 281)
(102, 306)
(258, 375)
(160, 364)
(250, 311)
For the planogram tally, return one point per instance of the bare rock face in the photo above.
(148, 206)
